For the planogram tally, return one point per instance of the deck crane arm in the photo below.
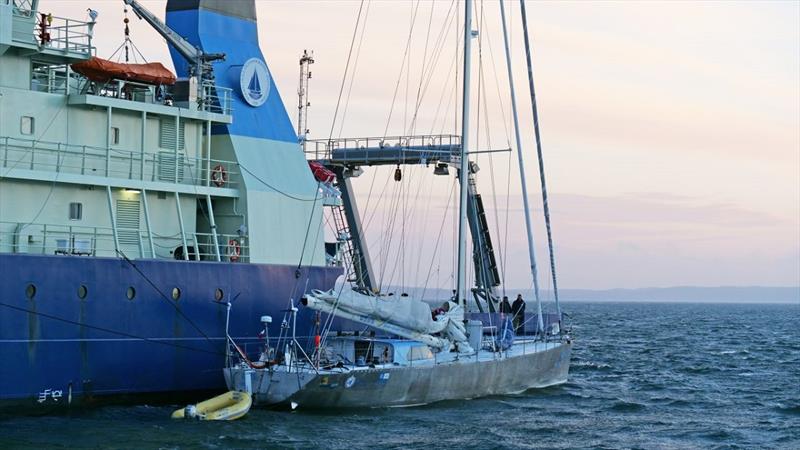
(199, 61)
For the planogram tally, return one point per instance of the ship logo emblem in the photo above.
(254, 82)
(255, 87)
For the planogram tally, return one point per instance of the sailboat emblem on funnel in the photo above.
(255, 87)
(254, 82)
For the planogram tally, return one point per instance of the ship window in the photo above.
(30, 291)
(82, 292)
(75, 211)
(130, 293)
(26, 125)
(419, 352)
(176, 294)
(114, 135)
(162, 195)
(219, 295)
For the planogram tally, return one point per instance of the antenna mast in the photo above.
(302, 101)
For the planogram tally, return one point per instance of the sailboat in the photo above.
(418, 355)
(255, 87)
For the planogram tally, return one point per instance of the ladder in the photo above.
(345, 242)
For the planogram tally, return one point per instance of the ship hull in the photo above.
(409, 385)
(60, 349)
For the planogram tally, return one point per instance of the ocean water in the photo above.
(642, 376)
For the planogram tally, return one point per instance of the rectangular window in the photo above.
(162, 195)
(75, 211)
(26, 125)
(114, 136)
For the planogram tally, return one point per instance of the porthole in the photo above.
(82, 291)
(176, 294)
(130, 293)
(219, 295)
(30, 291)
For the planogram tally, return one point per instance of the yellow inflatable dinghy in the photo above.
(228, 406)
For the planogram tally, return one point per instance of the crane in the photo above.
(199, 61)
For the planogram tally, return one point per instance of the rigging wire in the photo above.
(346, 68)
(108, 330)
(355, 67)
(539, 154)
(160, 293)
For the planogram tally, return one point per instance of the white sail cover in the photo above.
(400, 311)
(400, 315)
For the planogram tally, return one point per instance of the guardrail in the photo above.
(163, 166)
(48, 31)
(322, 149)
(78, 240)
(216, 99)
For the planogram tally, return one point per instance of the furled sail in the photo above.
(401, 315)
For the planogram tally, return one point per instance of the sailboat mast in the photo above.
(528, 226)
(462, 218)
(541, 159)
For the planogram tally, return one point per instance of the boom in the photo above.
(199, 61)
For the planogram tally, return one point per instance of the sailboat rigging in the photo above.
(414, 354)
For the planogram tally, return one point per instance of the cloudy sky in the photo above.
(671, 130)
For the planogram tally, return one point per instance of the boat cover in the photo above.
(322, 174)
(102, 70)
(394, 314)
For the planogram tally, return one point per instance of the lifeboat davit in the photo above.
(103, 71)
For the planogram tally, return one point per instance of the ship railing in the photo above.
(322, 149)
(54, 239)
(111, 162)
(79, 240)
(216, 99)
(52, 79)
(52, 32)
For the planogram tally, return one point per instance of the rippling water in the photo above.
(643, 376)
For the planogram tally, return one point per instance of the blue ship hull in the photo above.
(60, 349)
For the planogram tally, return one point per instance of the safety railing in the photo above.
(216, 99)
(50, 79)
(48, 31)
(78, 240)
(322, 149)
(163, 165)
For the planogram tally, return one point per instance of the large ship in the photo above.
(132, 210)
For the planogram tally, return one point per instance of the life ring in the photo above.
(234, 250)
(219, 176)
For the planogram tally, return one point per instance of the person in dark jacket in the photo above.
(518, 311)
(505, 307)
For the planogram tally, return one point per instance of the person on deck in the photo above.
(518, 310)
(505, 307)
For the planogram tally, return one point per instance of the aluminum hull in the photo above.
(394, 386)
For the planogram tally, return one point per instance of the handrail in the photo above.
(323, 148)
(159, 166)
(81, 240)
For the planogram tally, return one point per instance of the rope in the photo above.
(539, 154)
(108, 330)
(171, 303)
(346, 68)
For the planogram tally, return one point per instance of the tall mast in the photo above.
(302, 93)
(528, 227)
(541, 159)
(462, 219)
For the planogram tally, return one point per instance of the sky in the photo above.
(670, 130)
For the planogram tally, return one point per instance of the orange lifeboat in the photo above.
(102, 70)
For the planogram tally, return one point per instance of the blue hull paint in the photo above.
(58, 342)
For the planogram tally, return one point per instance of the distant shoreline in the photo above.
(677, 294)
